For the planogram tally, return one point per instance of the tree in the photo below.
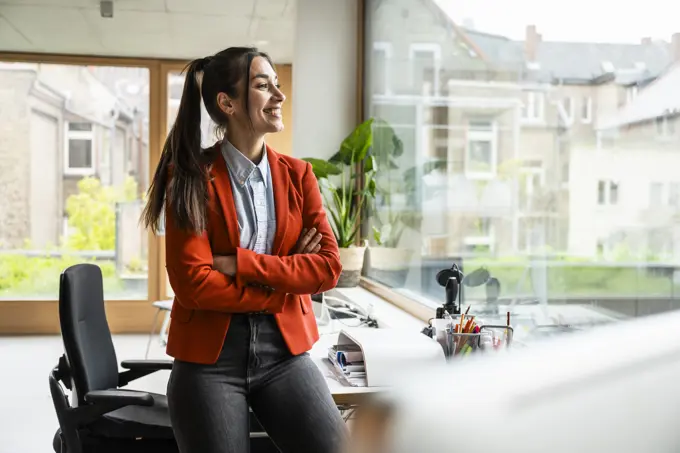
(92, 213)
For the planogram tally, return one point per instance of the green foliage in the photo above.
(580, 277)
(36, 277)
(347, 182)
(92, 214)
(390, 222)
(91, 219)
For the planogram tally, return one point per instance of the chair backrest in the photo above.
(85, 330)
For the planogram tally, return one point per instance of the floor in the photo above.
(27, 418)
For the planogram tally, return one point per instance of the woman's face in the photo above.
(264, 100)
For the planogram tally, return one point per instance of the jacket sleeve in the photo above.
(200, 287)
(301, 273)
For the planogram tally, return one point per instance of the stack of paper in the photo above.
(348, 364)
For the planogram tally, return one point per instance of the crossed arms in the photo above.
(201, 281)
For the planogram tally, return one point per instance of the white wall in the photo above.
(324, 76)
(634, 170)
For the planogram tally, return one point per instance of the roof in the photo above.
(573, 61)
(660, 98)
(568, 62)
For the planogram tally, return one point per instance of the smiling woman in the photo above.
(246, 235)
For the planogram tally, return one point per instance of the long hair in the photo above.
(180, 181)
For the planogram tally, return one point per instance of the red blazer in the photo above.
(205, 299)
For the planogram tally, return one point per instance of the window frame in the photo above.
(79, 135)
(482, 136)
(535, 104)
(436, 51)
(588, 106)
(386, 48)
(36, 316)
(607, 185)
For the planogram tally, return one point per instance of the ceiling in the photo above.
(173, 29)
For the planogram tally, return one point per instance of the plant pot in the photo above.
(352, 259)
(389, 265)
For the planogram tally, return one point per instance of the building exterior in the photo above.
(62, 123)
(510, 123)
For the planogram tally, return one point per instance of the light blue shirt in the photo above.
(253, 198)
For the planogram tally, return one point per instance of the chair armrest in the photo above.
(119, 398)
(147, 365)
(140, 368)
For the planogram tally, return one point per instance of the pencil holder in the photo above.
(496, 337)
(461, 344)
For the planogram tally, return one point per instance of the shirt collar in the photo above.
(240, 167)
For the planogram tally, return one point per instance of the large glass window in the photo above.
(512, 151)
(74, 165)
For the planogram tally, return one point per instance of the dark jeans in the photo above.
(288, 395)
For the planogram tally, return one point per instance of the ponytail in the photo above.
(182, 155)
(180, 184)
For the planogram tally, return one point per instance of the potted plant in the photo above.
(395, 209)
(347, 184)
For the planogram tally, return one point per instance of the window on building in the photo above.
(674, 194)
(79, 148)
(481, 154)
(533, 106)
(607, 192)
(568, 105)
(69, 198)
(382, 54)
(665, 126)
(425, 61)
(656, 194)
(587, 110)
(504, 108)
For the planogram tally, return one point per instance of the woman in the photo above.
(247, 242)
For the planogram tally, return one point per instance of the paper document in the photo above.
(348, 364)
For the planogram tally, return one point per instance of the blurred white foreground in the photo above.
(614, 388)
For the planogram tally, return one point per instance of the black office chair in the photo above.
(102, 417)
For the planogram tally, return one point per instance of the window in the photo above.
(655, 194)
(533, 181)
(607, 192)
(533, 106)
(382, 54)
(79, 149)
(68, 191)
(572, 228)
(587, 110)
(480, 158)
(674, 194)
(568, 106)
(425, 61)
(665, 126)
(480, 237)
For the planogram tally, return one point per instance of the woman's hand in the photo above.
(225, 264)
(309, 242)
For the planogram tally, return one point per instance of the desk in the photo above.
(343, 395)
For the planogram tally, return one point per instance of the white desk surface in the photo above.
(342, 394)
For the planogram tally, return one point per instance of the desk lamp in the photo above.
(450, 279)
(453, 280)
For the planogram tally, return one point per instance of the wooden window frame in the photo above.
(34, 317)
